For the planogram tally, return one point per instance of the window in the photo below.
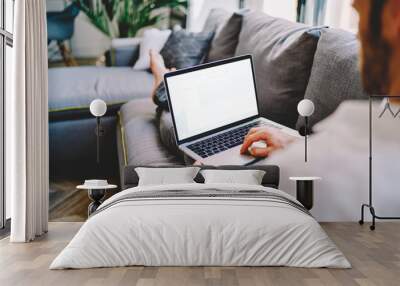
(285, 9)
(333, 13)
(6, 65)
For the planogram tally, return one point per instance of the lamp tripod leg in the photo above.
(372, 210)
(361, 221)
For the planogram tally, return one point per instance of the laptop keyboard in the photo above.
(224, 141)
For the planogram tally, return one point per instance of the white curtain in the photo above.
(27, 124)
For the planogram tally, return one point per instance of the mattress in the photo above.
(201, 225)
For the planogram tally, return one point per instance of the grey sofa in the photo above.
(72, 138)
(327, 74)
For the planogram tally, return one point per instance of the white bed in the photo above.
(245, 228)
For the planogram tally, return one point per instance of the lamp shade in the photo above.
(305, 107)
(98, 107)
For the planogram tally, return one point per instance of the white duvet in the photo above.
(200, 231)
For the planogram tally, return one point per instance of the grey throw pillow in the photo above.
(215, 19)
(335, 75)
(185, 49)
(225, 41)
(283, 54)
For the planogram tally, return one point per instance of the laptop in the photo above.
(213, 106)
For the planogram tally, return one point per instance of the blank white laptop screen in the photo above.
(213, 97)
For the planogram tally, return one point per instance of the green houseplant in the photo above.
(124, 18)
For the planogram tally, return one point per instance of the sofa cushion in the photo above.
(141, 140)
(283, 53)
(167, 133)
(215, 19)
(76, 87)
(225, 41)
(153, 39)
(335, 75)
(186, 49)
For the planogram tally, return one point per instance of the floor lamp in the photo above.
(98, 108)
(306, 109)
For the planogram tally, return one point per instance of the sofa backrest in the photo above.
(335, 75)
(226, 38)
(295, 61)
(215, 19)
(283, 53)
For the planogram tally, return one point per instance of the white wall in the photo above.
(88, 41)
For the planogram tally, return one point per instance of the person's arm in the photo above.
(274, 138)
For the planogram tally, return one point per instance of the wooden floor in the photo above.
(375, 257)
(66, 203)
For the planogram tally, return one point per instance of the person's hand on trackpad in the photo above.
(269, 140)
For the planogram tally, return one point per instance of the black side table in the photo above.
(96, 195)
(305, 190)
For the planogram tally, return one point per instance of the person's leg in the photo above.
(157, 67)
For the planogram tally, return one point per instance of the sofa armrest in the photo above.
(80, 112)
(271, 177)
(123, 52)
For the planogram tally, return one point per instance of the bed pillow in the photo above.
(185, 49)
(245, 177)
(166, 176)
(153, 39)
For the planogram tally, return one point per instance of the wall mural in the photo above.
(111, 31)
